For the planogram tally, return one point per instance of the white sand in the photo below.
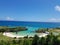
(43, 35)
(9, 34)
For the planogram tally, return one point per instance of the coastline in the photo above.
(9, 34)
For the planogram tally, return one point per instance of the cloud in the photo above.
(9, 18)
(57, 7)
(54, 20)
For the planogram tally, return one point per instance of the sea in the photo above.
(31, 26)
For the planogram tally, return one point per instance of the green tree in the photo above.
(55, 40)
(26, 42)
(49, 39)
(42, 41)
(35, 40)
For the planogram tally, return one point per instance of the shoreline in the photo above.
(9, 34)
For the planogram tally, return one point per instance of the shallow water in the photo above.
(29, 32)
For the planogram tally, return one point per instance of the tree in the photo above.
(26, 42)
(35, 40)
(42, 41)
(55, 40)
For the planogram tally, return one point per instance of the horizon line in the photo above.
(26, 21)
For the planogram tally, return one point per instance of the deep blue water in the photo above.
(30, 24)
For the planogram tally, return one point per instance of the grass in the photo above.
(54, 30)
(2, 37)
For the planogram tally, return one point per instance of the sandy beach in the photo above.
(9, 34)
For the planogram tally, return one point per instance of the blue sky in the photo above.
(30, 10)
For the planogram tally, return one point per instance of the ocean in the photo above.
(32, 26)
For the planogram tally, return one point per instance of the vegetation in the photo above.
(49, 40)
(12, 29)
(41, 30)
(55, 31)
(2, 37)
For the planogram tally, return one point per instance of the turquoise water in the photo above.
(29, 32)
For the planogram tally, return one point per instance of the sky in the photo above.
(30, 10)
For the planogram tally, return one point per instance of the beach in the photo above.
(9, 34)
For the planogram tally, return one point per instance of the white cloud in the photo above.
(57, 7)
(54, 20)
(9, 18)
